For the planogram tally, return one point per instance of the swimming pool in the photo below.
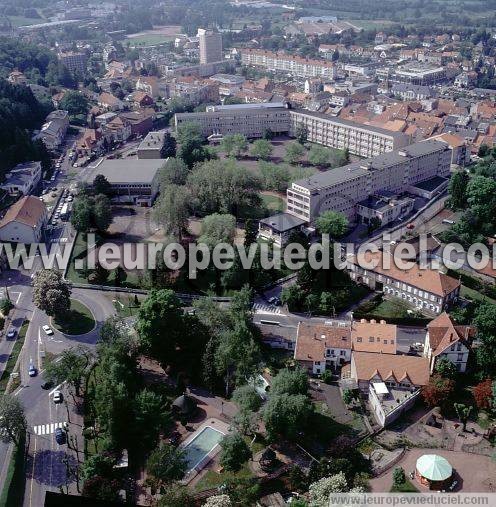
(201, 445)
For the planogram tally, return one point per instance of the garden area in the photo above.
(77, 320)
(394, 311)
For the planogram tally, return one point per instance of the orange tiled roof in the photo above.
(386, 366)
(27, 210)
(426, 279)
(443, 333)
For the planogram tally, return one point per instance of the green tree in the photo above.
(81, 214)
(251, 232)
(446, 368)
(463, 412)
(191, 140)
(171, 210)
(168, 149)
(75, 103)
(293, 296)
(333, 223)
(261, 149)
(221, 186)
(150, 414)
(166, 464)
(72, 366)
(290, 382)
(102, 212)
(169, 335)
(217, 228)
(101, 185)
(294, 152)
(234, 451)
(173, 172)
(12, 419)
(319, 156)
(234, 144)
(175, 495)
(348, 396)
(286, 415)
(301, 134)
(247, 398)
(51, 293)
(458, 190)
(485, 323)
(275, 177)
(398, 476)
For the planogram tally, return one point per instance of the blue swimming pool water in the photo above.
(201, 445)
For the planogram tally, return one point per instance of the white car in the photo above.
(48, 330)
(57, 397)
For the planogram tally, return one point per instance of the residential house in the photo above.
(53, 131)
(118, 129)
(447, 340)
(331, 344)
(427, 290)
(23, 178)
(278, 228)
(149, 85)
(16, 77)
(109, 102)
(90, 142)
(24, 221)
(141, 121)
(141, 99)
(391, 382)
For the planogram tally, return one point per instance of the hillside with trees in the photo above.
(20, 114)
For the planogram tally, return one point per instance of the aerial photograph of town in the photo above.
(247, 253)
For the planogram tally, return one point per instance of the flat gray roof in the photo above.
(282, 222)
(125, 170)
(356, 169)
(152, 141)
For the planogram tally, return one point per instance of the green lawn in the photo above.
(13, 490)
(79, 320)
(273, 203)
(214, 479)
(132, 280)
(125, 305)
(406, 487)
(9, 368)
(151, 39)
(474, 295)
(22, 21)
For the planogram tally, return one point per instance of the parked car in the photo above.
(11, 333)
(60, 436)
(47, 330)
(58, 397)
(32, 371)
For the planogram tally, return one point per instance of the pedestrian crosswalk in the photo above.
(47, 429)
(261, 308)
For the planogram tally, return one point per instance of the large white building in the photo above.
(358, 139)
(344, 187)
(290, 64)
(253, 120)
(210, 46)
